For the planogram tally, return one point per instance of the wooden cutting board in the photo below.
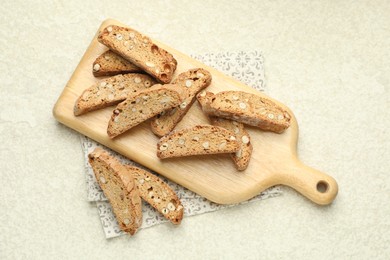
(274, 159)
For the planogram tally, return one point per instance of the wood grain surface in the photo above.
(274, 159)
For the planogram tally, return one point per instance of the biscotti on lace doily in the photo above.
(191, 81)
(138, 108)
(197, 140)
(158, 194)
(110, 64)
(242, 157)
(139, 50)
(119, 188)
(110, 91)
(246, 108)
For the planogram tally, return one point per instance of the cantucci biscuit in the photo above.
(246, 108)
(158, 194)
(110, 64)
(139, 50)
(110, 91)
(242, 157)
(119, 188)
(138, 108)
(191, 81)
(197, 140)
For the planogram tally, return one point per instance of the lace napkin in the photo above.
(246, 67)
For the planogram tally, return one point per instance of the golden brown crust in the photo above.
(242, 157)
(110, 64)
(119, 189)
(138, 108)
(158, 194)
(111, 91)
(197, 140)
(139, 50)
(246, 108)
(191, 81)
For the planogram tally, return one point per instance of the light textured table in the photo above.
(327, 60)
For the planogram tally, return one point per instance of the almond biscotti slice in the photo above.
(197, 140)
(246, 108)
(158, 194)
(191, 81)
(119, 188)
(242, 157)
(110, 91)
(139, 50)
(109, 64)
(138, 108)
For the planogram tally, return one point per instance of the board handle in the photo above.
(313, 184)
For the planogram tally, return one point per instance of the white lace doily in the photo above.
(246, 67)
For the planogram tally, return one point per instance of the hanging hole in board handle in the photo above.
(313, 184)
(322, 186)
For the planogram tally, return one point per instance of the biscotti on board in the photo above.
(197, 140)
(158, 194)
(138, 108)
(119, 188)
(246, 108)
(110, 64)
(242, 157)
(139, 50)
(110, 91)
(191, 81)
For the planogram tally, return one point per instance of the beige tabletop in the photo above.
(329, 61)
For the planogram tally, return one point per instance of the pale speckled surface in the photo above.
(327, 60)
